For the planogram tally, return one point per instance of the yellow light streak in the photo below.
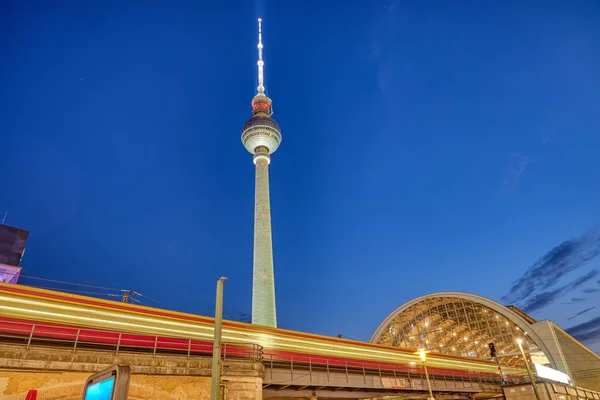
(50, 310)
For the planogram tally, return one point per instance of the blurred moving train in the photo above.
(28, 312)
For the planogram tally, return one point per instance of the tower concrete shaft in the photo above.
(263, 289)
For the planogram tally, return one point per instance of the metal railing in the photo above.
(32, 334)
(441, 378)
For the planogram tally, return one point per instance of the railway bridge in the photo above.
(51, 341)
(58, 365)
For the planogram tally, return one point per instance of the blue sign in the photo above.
(100, 390)
(109, 384)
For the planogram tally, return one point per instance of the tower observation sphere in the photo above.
(261, 136)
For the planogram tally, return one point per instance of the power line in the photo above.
(132, 292)
(342, 336)
(69, 283)
(72, 290)
(147, 297)
(95, 294)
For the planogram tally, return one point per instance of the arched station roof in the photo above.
(460, 324)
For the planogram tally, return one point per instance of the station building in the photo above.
(463, 324)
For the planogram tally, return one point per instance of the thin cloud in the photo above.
(587, 331)
(517, 166)
(515, 169)
(561, 260)
(385, 54)
(589, 291)
(581, 312)
(577, 299)
(583, 279)
(541, 300)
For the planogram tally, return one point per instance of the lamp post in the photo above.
(215, 384)
(529, 372)
(423, 356)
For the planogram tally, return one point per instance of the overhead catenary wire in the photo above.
(148, 297)
(107, 290)
(72, 290)
(95, 294)
(68, 283)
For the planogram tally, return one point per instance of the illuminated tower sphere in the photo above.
(261, 137)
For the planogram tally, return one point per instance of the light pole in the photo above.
(423, 356)
(531, 377)
(215, 383)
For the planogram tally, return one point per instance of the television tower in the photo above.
(261, 136)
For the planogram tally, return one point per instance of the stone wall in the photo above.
(61, 374)
(14, 385)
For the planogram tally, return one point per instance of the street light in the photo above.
(531, 377)
(215, 383)
(423, 356)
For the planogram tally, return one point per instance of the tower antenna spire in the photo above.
(260, 62)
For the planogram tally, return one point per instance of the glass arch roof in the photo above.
(458, 327)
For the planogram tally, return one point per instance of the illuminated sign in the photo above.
(101, 390)
(109, 384)
(9, 273)
(552, 374)
(538, 357)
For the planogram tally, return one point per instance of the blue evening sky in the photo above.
(427, 146)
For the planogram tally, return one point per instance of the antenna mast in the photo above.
(260, 62)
